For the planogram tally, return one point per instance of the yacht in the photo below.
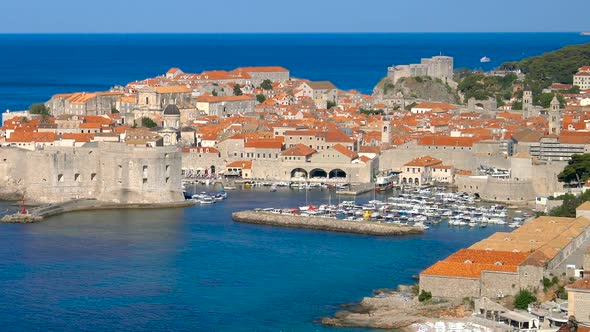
(485, 59)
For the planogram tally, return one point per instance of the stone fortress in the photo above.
(440, 67)
(110, 172)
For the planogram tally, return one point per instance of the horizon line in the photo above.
(277, 33)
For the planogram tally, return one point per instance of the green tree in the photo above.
(238, 90)
(330, 104)
(266, 85)
(260, 98)
(517, 106)
(523, 298)
(577, 169)
(114, 110)
(424, 296)
(546, 98)
(39, 108)
(148, 123)
(214, 93)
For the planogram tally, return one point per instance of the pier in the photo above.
(357, 189)
(44, 211)
(325, 224)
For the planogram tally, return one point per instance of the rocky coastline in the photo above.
(325, 224)
(395, 310)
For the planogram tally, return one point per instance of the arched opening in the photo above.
(417, 181)
(337, 174)
(318, 173)
(480, 106)
(212, 169)
(299, 173)
(476, 195)
(404, 180)
(384, 129)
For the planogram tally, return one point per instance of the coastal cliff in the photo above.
(325, 224)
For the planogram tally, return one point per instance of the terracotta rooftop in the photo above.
(424, 161)
(343, 150)
(581, 284)
(299, 150)
(244, 164)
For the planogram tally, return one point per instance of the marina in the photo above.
(416, 207)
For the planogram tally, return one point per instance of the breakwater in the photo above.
(325, 224)
(44, 211)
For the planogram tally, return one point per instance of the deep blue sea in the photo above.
(194, 269)
(33, 67)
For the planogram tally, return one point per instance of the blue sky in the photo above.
(46, 16)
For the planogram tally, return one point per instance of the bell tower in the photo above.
(527, 102)
(554, 117)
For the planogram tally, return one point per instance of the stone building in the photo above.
(554, 117)
(113, 172)
(323, 90)
(259, 74)
(156, 98)
(419, 171)
(440, 67)
(582, 78)
(578, 296)
(225, 106)
(504, 263)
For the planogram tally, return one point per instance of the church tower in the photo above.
(554, 117)
(527, 102)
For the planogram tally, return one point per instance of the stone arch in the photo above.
(416, 181)
(299, 173)
(318, 172)
(212, 168)
(384, 129)
(337, 173)
(404, 180)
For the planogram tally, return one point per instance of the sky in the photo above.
(222, 16)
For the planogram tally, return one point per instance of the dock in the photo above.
(355, 190)
(325, 224)
(41, 212)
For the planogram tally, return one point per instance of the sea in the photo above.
(194, 269)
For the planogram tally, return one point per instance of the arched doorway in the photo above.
(318, 173)
(299, 173)
(337, 174)
(417, 181)
(212, 168)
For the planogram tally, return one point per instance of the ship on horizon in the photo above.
(585, 33)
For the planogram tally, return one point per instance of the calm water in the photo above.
(33, 67)
(194, 269)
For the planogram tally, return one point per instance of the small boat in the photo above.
(585, 33)
(207, 200)
(485, 59)
(273, 188)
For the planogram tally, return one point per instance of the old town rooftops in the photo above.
(424, 161)
(470, 263)
(299, 150)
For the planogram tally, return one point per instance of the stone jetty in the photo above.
(325, 224)
(44, 211)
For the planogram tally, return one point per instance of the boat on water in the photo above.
(207, 200)
(585, 33)
(383, 184)
(485, 59)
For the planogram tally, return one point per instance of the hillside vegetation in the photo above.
(557, 66)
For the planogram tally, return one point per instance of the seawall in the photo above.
(325, 224)
(44, 211)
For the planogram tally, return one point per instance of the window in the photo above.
(145, 172)
(77, 177)
(60, 178)
(167, 179)
(92, 176)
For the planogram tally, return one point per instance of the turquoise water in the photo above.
(194, 269)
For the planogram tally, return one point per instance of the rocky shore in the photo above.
(325, 224)
(395, 310)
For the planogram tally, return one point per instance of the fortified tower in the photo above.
(554, 117)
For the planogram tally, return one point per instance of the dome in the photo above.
(171, 110)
